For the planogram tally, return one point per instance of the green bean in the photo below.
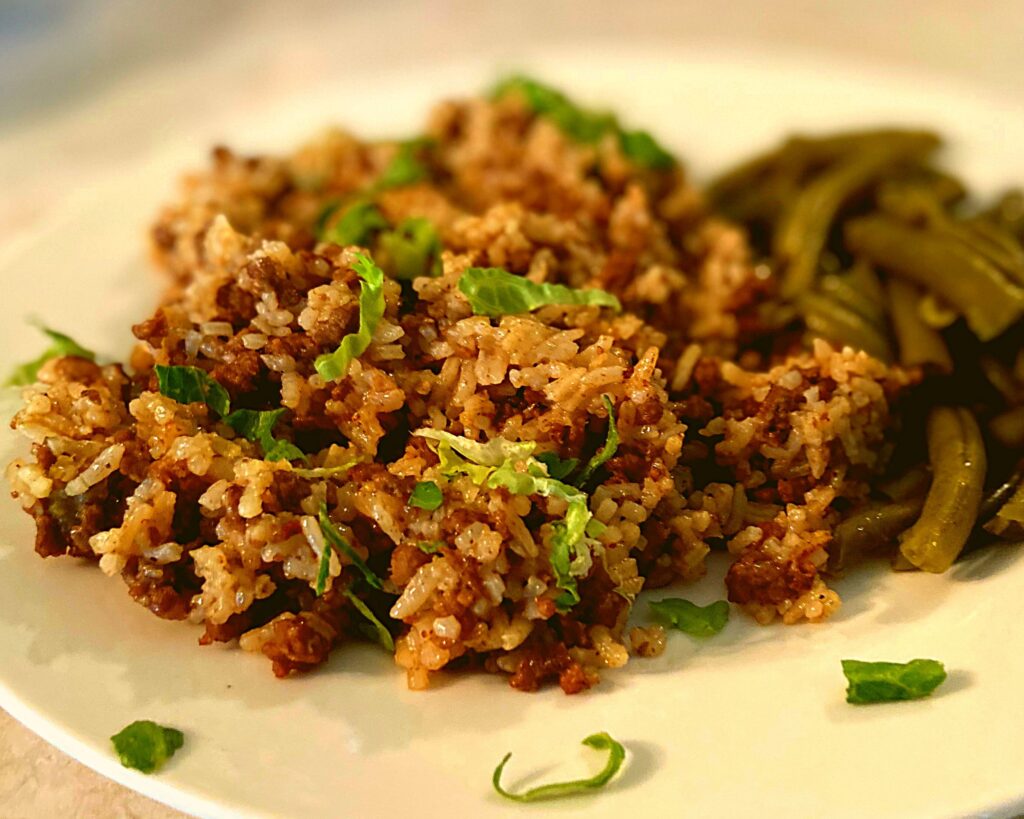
(1008, 213)
(989, 301)
(1008, 522)
(957, 456)
(853, 290)
(829, 319)
(802, 231)
(997, 498)
(919, 344)
(915, 481)
(1008, 427)
(872, 528)
(1001, 377)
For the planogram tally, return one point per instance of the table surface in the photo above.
(114, 47)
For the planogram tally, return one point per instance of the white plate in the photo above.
(752, 722)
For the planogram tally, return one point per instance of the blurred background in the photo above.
(91, 86)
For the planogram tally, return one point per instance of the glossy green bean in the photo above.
(1008, 522)
(803, 229)
(918, 344)
(871, 529)
(964, 278)
(829, 319)
(956, 453)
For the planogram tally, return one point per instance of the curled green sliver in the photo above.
(332, 366)
(556, 790)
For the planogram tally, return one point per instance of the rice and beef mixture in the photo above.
(519, 559)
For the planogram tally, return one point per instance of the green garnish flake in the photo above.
(494, 292)
(556, 790)
(145, 745)
(611, 444)
(192, 385)
(332, 366)
(332, 537)
(188, 385)
(376, 628)
(871, 682)
(426, 495)
(430, 547)
(412, 249)
(583, 125)
(500, 463)
(324, 571)
(558, 468)
(356, 225)
(697, 621)
(405, 168)
(61, 346)
(258, 426)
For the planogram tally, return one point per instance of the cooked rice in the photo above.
(722, 446)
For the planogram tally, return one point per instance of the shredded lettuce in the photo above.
(61, 346)
(697, 621)
(490, 453)
(583, 125)
(145, 745)
(192, 385)
(320, 472)
(494, 292)
(332, 537)
(509, 465)
(188, 385)
(376, 628)
(324, 570)
(890, 682)
(412, 249)
(599, 742)
(356, 225)
(430, 547)
(332, 366)
(611, 444)
(426, 495)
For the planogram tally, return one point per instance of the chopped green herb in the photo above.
(405, 168)
(146, 746)
(599, 742)
(583, 125)
(430, 547)
(494, 292)
(578, 123)
(611, 443)
(332, 537)
(426, 495)
(412, 249)
(332, 366)
(644, 150)
(889, 682)
(323, 217)
(557, 467)
(190, 385)
(377, 629)
(510, 465)
(697, 621)
(62, 346)
(355, 226)
(324, 571)
(258, 426)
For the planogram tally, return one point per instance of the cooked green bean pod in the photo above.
(915, 481)
(958, 274)
(1008, 522)
(871, 529)
(1008, 427)
(995, 499)
(802, 232)
(830, 319)
(957, 456)
(1008, 213)
(918, 344)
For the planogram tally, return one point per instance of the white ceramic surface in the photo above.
(752, 722)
